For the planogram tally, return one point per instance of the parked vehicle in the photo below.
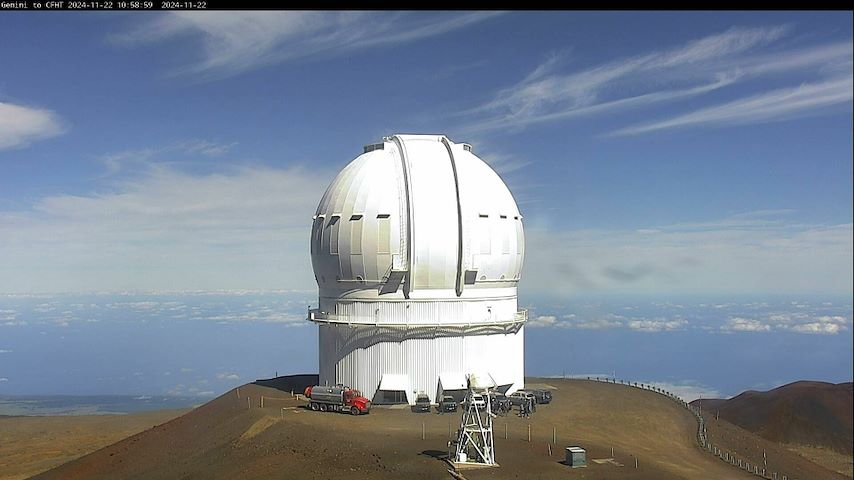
(447, 404)
(478, 400)
(542, 396)
(520, 396)
(500, 403)
(422, 403)
(337, 399)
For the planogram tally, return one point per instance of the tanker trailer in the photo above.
(337, 398)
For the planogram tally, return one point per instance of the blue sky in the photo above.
(657, 153)
(657, 157)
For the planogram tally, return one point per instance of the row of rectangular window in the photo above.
(329, 242)
(486, 215)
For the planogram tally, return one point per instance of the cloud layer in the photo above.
(21, 125)
(234, 42)
(798, 317)
(699, 67)
(164, 228)
(246, 228)
(758, 252)
(775, 105)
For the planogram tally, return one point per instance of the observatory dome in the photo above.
(417, 248)
(423, 205)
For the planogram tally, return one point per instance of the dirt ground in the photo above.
(826, 457)
(233, 437)
(794, 463)
(29, 445)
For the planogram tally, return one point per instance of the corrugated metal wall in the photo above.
(359, 356)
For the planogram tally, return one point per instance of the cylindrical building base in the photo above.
(415, 358)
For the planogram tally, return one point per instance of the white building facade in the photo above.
(417, 248)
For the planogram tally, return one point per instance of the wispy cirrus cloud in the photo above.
(545, 95)
(708, 64)
(503, 163)
(21, 125)
(152, 156)
(234, 42)
(777, 105)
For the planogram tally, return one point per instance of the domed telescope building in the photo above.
(417, 249)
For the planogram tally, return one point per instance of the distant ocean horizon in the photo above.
(55, 405)
(60, 353)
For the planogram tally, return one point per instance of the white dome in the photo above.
(417, 247)
(417, 216)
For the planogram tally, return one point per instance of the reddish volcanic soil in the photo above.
(802, 413)
(233, 437)
(29, 445)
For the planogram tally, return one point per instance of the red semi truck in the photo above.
(337, 399)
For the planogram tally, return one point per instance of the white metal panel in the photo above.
(360, 357)
(434, 205)
(376, 183)
(373, 184)
(392, 382)
(453, 380)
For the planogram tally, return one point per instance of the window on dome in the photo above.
(356, 235)
(383, 234)
(316, 231)
(333, 234)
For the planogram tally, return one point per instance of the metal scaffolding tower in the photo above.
(475, 441)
